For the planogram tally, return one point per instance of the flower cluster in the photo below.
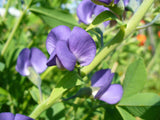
(66, 47)
(109, 93)
(11, 116)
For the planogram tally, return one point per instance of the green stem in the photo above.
(6, 10)
(10, 100)
(14, 30)
(134, 21)
(40, 93)
(131, 26)
(49, 69)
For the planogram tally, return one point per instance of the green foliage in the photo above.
(54, 17)
(144, 105)
(135, 78)
(69, 80)
(2, 65)
(102, 17)
(125, 115)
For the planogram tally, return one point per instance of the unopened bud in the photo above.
(84, 92)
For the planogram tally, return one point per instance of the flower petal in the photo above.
(102, 78)
(113, 94)
(23, 62)
(58, 33)
(108, 1)
(52, 59)
(38, 60)
(126, 2)
(85, 11)
(6, 116)
(82, 46)
(116, 1)
(22, 117)
(105, 1)
(67, 59)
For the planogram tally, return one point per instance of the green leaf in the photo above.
(2, 66)
(133, 5)
(3, 95)
(112, 114)
(144, 105)
(70, 79)
(135, 78)
(125, 115)
(54, 17)
(102, 17)
(118, 8)
(34, 91)
(56, 112)
(118, 38)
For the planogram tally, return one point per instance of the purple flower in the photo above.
(108, 1)
(31, 58)
(11, 116)
(126, 2)
(109, 93)
(87, 11)
(66, 47)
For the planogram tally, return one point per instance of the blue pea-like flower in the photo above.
(31, 58)
(11, 116)
(108, 1)
(66, 47)
(109, 93)
(87, 11)
(125, 2)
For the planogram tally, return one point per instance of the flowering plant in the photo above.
(79, 59)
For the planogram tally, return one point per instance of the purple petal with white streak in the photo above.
(126, 2)
(82, 46)
(38, 60)
(85, 11)
(23, 62)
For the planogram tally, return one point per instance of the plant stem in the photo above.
(49, 69)
(6, 10)
(40, 94)
(14, 30)
(134, 21)
(10, 100)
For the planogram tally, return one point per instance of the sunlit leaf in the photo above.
(54, 17)
(135, 78)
